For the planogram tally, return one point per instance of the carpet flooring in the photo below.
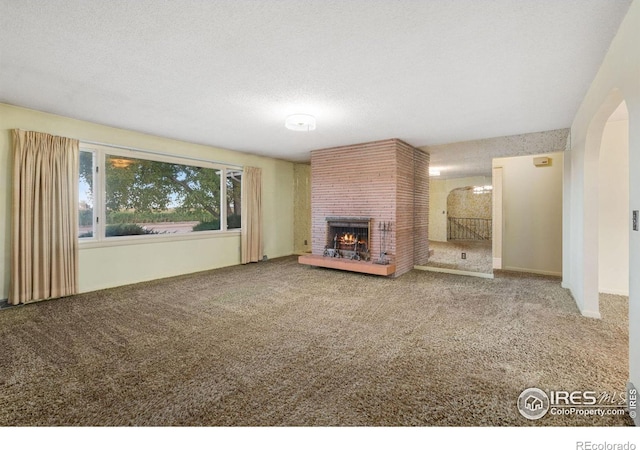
(448, 255)
(280, 344)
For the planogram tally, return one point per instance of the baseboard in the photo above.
(537, 272)
(631, 393)
(454, 271)
(614, 292)
(497, 263)
(591, 314)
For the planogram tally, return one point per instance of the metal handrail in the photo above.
(469, 228)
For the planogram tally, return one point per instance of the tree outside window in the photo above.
(148, 197)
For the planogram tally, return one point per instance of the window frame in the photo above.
(99, 239)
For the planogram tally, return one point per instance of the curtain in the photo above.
(251, 205)
(44, 217)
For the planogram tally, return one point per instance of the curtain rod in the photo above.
(153, 152)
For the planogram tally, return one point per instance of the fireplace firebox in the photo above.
(348, 237)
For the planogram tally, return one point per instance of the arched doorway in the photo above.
(592, 203)
(613, 205)
(608, 234)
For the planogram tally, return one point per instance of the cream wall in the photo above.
(613, 214)
(118, 265)
(532, 214)
(617, 80)
(438, 192)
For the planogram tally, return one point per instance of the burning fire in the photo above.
(347, 239)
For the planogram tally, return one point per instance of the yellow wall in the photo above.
(302, 208)
(118, 265)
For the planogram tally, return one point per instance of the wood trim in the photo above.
(347, 264)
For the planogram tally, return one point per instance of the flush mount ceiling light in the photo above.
(433, 172)
(300, 122)
(120, 163)
(482, 189)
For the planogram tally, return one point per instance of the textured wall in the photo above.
(374, 180)
(463, 202)
(301, 208)
(473, 158)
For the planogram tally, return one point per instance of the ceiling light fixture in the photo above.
(300, 122)
(434, 172)
(120, 163)
(482, 189)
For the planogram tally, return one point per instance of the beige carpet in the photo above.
(276, 343)
(448, 255)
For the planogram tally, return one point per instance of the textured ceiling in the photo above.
(227, 73)
(475, 158)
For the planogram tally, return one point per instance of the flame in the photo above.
(350, 239)
(346, 239)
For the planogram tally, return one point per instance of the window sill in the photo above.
(158, 239)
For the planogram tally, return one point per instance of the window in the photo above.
(234, 195)
(85, 191)
(124, 193)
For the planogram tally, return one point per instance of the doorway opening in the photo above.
(613, 205)
(467, 246)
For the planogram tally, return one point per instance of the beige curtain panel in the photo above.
(251, 236)
(44, 215)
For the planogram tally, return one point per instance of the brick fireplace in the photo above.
(384, 184)
(348, 237)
